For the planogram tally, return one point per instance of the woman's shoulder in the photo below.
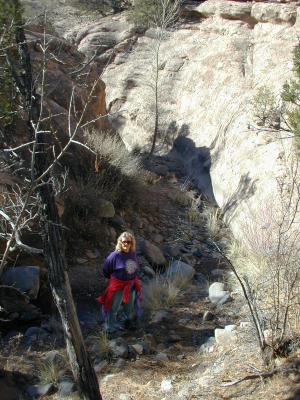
(112, 255)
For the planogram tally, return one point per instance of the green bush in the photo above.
(7, 42)
(291, 96)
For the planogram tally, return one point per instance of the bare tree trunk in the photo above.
(156, 120)
(82, 368)
(83, 371)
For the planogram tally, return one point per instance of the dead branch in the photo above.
(265, 374)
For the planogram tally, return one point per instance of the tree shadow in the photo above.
(196, 162)
(245, 189)
(13, 384)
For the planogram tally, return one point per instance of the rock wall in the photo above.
(211, 67)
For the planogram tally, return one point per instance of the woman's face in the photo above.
(126, 244)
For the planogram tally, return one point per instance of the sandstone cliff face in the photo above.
(63, 67)
(210, 69)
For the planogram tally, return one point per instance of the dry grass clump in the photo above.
(182, 199)
(49, 372)
(110, 148)
(160, 293)
(213, 221)
(100, 340)
(193, 213)
(53, 370)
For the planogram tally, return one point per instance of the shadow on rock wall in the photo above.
(245, 189)
(196, 162)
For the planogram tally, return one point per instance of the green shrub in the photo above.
(7, 41)
(144, 12)
(162, 13)
(291, 96)
(265, 108)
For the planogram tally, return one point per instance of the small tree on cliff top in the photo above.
(161, 15)
(291, 96)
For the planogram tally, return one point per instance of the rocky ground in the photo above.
(186, 349)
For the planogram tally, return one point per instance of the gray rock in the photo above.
(158, 238)
(274, 13)
(217, 294)
(14, 316)
(153, 254)
(208, 346)
(99, 366)
(36, 391)
(120, 363)
(200, 279)
(105, 209)
(138, 348)
(162, 357)
(230, 328)
(180, 270)
(225, 337)
(92, 254)
(173, 337)
(66, 388)
(149, 343)
(119, 347)
(245, 324)
(26, 279)
(218, 272)
(35, 332)
(171, 251)
(124, 396)
(166, 385)
(118, 222)
(30, 313)
(159, 316)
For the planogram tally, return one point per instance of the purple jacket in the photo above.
(121, 265)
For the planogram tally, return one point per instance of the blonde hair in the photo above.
(128, 236)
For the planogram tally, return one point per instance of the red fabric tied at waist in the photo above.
(115, 285)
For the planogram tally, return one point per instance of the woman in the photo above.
(124, 288)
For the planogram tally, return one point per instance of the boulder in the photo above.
(153, 254)
(119, 347)
(208, 346)
(105, 209)
(276, 13)
(171, 251)
(162, 357)
(36, 391)
(13, 302)
(180, 270)
(225, 337)
(159, 316)
(100, 365)
(66, 388)
(26, 279)
(138, 348)
(166, 385)
(217, 294)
